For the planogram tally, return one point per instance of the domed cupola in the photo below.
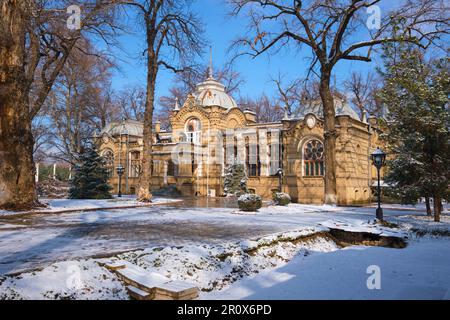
(212, 93)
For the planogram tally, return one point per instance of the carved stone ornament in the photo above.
(310, 121)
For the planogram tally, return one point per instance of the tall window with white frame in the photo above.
(273, 153)
(313, 158)
(193, 130)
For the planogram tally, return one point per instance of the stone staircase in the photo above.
(146, 285)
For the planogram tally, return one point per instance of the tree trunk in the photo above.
(144, 193)
(329, 137)
(427, 204)
(437, 208)
(17, 185)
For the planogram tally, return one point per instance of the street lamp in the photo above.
(280, 176)
(378, 160)
(124, 135)
(120, 171)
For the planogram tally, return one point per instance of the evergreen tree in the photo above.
(235, 182)
(416, 95)
(90, 180)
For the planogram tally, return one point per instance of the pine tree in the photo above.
(235, 182)
(90, 180)
(416, 94)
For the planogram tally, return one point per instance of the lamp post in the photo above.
(120, 171)
(125, 136)
(378, 160)
(280, 176)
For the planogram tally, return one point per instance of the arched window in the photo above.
(313, 158)
(135, 164)
(193, 130)
(108, 155)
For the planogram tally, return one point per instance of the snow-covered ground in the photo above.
(64, 205)
(411, 207)
(269, 268)
(210, 267)
(419, 271)
(83, 279)
(212, 247)
(36, 240)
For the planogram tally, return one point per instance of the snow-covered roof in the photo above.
(213, 93)
(130, 127)
(315, 107)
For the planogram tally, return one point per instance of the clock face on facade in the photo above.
(310, 121)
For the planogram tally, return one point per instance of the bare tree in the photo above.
(173, 38)
(78, 104)
(131, 102)
(101, 107)
(266, 109)
(16, 141)
(34, 46)
(289, 95)
(363, 92)
(41, 130)
(332, 30)
(167, 103)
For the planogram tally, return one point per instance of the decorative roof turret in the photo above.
(177, 105)
(212, 93)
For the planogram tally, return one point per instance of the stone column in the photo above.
(165, 173)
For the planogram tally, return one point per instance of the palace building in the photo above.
(209, 132)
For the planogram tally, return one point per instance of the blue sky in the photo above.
(220, 31)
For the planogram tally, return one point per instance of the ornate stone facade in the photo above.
(210, 132)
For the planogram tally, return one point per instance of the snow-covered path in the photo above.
(37, 240)
(420, 271)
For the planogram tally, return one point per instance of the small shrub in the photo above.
(281, 198)
(249, 202)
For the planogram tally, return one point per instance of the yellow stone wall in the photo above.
(356, 140)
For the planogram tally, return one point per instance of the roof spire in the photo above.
(177, 105)
(210, 68)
